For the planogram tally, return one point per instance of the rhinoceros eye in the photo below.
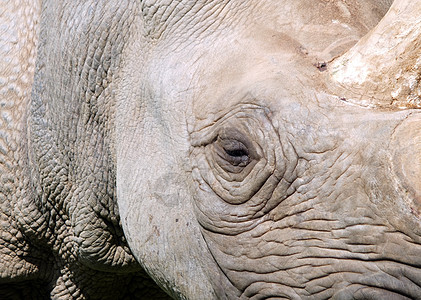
(234, 152)
(236, 155)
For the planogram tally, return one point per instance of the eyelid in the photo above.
(237, 133)
(233, 144)
(228, 161)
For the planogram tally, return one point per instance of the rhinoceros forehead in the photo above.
(166, 19)
(326, 27)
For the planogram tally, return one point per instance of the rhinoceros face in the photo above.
(303, 199)
(245, 171)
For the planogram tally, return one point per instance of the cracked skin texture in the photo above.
(60, 232)
(197, 144)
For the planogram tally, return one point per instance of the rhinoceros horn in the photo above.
(384, 68)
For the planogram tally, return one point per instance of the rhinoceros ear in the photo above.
(384, 68)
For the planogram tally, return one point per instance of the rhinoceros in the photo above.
(227, 149)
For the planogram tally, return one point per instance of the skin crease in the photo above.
(198, 144)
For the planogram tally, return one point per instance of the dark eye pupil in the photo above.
(236, 153)
(237, 157)
(233, 152)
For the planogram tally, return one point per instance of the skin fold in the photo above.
(203, 150)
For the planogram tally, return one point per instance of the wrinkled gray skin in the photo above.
(198, 143)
